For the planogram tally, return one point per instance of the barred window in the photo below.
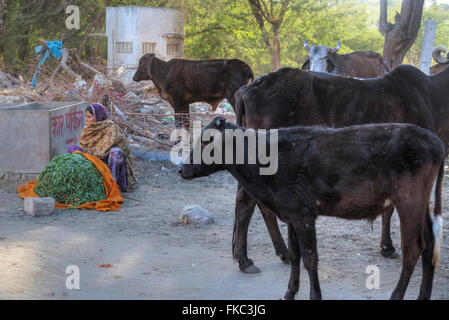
(174, 47)
(148, 47)
(124, 47)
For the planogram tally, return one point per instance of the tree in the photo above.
(24, 22)
(440, 14)
(213, 29)
(400, 36)
(274, 15)
(352, 22)
(2, 5)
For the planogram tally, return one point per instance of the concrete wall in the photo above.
(33, 134)
(138, 25)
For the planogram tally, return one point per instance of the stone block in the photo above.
(38, 207)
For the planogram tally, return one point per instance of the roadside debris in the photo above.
(142, 114)
(194, 214)
(7, 81)
(44, 52)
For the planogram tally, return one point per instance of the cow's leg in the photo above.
(215, 104)
(386, 245)
(244, 209)
(295, 258)
(231, 90)
(411, 217)
(181, 121)
(275, 234)
(304, 225)
(428, 268)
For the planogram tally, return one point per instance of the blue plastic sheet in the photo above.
(54, 49)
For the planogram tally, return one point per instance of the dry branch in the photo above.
(141, 133)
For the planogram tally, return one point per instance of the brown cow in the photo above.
(182, 82)
(359, 64)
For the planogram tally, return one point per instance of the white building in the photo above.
(135, 31)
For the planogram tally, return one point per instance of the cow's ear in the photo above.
(306, 45)
(219, 122)
(148, 67)
(306, 65)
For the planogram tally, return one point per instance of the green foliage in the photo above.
(439, 13)
(27, 21)
(350, 21)
(214, 29)
(225, 29)
(71, 179)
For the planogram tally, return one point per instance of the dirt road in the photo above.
(151, 256)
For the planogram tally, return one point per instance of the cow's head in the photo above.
(318, 56)
(144, 70)
(214, 141)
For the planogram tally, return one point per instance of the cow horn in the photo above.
(438, 57)
(335, 50)
(306, 45)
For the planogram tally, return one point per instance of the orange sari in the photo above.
(113, 195)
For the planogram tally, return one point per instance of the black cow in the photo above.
(358, 64)
(182, 82)
(352, 173)
(290, 97)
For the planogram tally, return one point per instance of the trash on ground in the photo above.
(194, 214)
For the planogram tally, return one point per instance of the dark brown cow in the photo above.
(290, 97)
(359, 64)
(182, 82)
(443, 62)
(351, 173)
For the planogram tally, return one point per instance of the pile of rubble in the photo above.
(7, 81)
(138, 109)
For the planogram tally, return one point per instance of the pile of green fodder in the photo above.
(71, 179)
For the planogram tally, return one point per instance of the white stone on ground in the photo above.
(38, 207)
(194, 214)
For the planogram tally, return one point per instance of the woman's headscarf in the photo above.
(98, 111)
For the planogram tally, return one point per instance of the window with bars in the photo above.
(124, 47)
(148, 47)
(174, 47)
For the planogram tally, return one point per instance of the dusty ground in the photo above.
(153, 257)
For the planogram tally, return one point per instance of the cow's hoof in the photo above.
(252, 269)
(388, 252)
(247, 266)
(289, 296)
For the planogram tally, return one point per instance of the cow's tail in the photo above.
(438, 218)
(247, 72)
(251, 74)
(240, 107)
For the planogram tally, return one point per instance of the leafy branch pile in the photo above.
(71, 179)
